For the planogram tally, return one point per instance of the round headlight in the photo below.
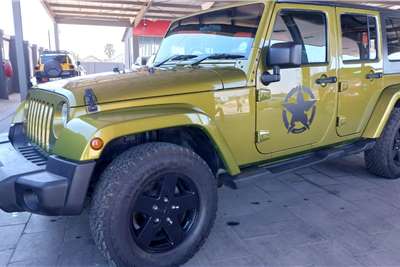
(60, 119)
(64, 114)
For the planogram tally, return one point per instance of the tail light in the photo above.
(37, 67)
(71, 66)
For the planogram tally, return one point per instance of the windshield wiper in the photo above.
(216, 57)
(175, 58)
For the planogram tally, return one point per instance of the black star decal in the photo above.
(299, 109)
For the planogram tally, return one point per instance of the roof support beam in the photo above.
(138, 3)
(142, 13)
(96, 10)
(48, 9)
(78, 15)
(207, 5)
(99, 21)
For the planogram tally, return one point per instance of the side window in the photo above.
(393, 38)
(359, 37)
(306, 28)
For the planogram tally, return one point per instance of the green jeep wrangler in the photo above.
(257, 88)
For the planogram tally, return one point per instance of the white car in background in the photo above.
(143, 62)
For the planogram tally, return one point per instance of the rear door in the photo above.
(299, 110)
(361, 68)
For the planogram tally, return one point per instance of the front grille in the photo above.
(38, 122)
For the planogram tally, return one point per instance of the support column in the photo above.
(19, 44)
(34, 56)
(135, 48)
(3, 81)
(13, 58)
(56, 36)
(27, 63)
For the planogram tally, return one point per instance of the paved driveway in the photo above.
(335, 214)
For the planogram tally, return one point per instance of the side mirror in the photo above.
(268, 78)
(281, 55)
(285, 55)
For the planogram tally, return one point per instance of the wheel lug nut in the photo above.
(169, 220)
(155, 207)
(166, 200)
(156, 220)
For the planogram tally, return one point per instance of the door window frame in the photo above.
(389, 66)
(360, 61)
(327, 26)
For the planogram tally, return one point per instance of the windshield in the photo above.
(229, 31)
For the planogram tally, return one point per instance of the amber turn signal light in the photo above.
(96, 143)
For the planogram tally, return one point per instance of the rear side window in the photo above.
(393, 38)
(359, 38)
(305, 28)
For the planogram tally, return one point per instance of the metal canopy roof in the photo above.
(125, 13)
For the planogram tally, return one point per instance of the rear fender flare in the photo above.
(382, 111)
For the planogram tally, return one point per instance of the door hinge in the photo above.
(343, 86)
(263, 94)
(262, 136)
(341, 121)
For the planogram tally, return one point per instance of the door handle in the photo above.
(325, 80)
(373, 76)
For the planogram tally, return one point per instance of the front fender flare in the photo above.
(74, 140)
(381, 114)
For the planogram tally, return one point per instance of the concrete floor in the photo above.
(334, 214)
(7, 109)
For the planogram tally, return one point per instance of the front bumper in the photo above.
(52, 186)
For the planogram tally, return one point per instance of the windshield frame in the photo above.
(250, 57)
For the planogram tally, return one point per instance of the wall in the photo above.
(98, 67)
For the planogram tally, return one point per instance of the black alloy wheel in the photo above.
(164, 213)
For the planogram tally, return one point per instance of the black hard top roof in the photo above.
(338, 4)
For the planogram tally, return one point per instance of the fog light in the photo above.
(96, 143)
(31, 200)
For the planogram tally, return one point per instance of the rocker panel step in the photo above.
(252, 174)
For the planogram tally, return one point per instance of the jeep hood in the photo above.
(112, 87)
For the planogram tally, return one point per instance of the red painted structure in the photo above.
(152, 28)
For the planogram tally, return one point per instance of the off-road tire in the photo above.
(379, 160)
(121, 183)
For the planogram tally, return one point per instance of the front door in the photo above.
(361, 66)
(299, 110)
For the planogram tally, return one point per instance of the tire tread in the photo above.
(108, 186)
(377, 159)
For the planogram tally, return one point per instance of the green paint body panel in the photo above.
(222, 101)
